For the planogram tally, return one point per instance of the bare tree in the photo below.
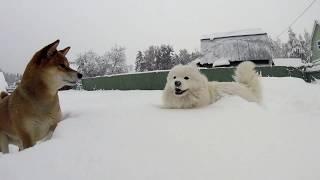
(90, 64)
(115, 60)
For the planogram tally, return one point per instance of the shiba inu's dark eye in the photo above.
(186, 78)
(62, 65)
(174, 77)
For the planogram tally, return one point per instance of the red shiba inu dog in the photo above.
(32, 112)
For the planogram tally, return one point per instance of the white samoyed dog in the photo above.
(187, 88)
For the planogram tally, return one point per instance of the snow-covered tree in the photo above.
(184, 57)
(90, 64)
(195, 54)
(115, 60)
(140, 62)
(294, 45)
(276, 48)
(150, 58)
(307, 46)
(164, 57)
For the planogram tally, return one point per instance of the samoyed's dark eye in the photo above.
(186, 78)
(174, 77)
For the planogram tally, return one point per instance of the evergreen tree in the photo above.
(277, 48)
(195, 54)
(164, 57)
(150, 58)
(307, 46)
(294, 45)
(184, 57)
(90, 64)
(140, 64)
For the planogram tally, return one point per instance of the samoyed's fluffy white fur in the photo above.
(187, 88)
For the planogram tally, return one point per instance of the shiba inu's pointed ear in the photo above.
(52, 48)
(65, 51)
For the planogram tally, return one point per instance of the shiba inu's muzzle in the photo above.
(72, 78)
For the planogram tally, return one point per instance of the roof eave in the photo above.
(234, 36)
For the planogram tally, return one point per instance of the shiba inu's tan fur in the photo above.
(32, 112)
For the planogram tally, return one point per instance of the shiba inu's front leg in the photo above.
(4, 143)
(26, 140)
(50, 133)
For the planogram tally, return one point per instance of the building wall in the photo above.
(236, 49)
(315, 50)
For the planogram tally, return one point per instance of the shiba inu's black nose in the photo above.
(79, 75)
(177, 83)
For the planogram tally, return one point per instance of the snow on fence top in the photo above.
(244, 32)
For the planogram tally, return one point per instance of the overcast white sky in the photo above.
(26, 26)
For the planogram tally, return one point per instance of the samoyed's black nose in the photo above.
(177, 83)
(79, 75)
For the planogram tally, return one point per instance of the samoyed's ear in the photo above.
(193, 66)
(193, 63)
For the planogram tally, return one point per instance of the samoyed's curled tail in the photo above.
(245, 74)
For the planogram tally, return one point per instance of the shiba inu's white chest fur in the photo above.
(40, 126)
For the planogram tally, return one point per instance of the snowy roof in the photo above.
(288, 62)
(3, 82)
(221, 62)
(244, 32)
(314, 68)
(241, 48)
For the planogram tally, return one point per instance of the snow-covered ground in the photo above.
(126, 135)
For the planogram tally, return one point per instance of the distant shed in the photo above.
(231, 48)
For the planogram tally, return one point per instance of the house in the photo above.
(315, 44)
(231, 48)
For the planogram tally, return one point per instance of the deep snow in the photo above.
(127, 135)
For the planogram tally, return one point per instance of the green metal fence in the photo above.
(156, 80)
(312, 76)
(143, 81)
